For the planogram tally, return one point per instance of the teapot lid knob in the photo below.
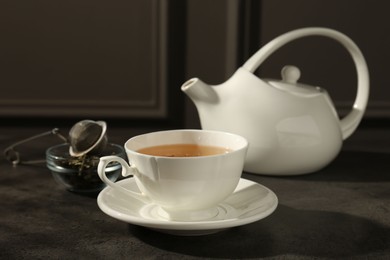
(290, 74)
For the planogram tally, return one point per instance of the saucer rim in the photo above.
(205, 225)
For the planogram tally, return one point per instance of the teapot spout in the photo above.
(198, 91)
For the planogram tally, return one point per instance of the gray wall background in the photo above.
(112, 59)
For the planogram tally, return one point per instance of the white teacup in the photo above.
(184, 188)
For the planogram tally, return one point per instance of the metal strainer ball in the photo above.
(87, 136)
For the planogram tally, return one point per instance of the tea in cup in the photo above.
(187, 173)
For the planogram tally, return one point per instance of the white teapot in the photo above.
(292, 128)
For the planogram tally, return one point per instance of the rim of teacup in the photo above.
(241, 142)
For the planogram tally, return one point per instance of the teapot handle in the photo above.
(351, 121)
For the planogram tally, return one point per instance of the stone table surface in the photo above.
(342, 211)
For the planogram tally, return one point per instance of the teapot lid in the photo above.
(290, 75)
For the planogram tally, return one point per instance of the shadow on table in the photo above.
(348, 166)
(286, 232)
(355, 166)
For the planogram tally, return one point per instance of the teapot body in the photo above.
(292, 128)
(287, 134)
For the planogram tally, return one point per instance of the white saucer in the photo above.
(248, 203)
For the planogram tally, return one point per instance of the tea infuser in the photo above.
(85, 136)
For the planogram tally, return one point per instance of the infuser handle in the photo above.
(350, 122)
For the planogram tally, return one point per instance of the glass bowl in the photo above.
(79, 174)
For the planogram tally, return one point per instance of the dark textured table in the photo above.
(342, 211)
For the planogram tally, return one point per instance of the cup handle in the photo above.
(126, 171)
